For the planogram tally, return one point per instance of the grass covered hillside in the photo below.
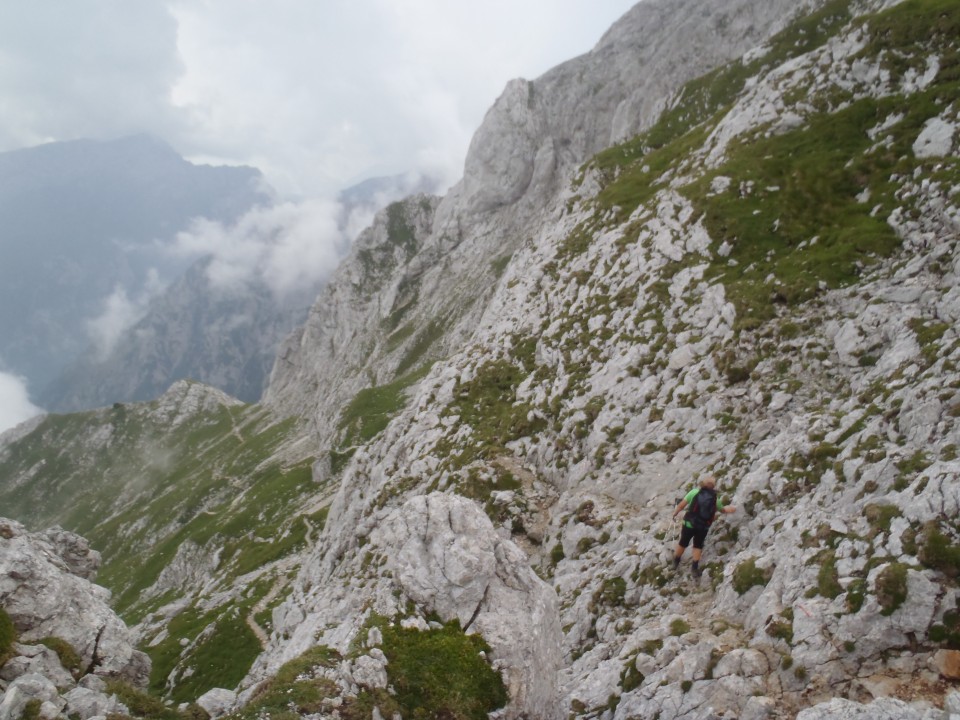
(190, 496)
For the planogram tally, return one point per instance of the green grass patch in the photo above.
(31, 710)
(69, 657)
(220, 649)
(747, 575)
(611, 593)
(488, 404)
(8, 636)
(371, 409)
(909, 32)
(781, 626)
(828, 580)
(891, 587)
(802, 222)
(144, 705)
(947, 632)
(441, 673)
(638, 164)
(152, 487)
(939, 552)
(929, 333)
(879, 516)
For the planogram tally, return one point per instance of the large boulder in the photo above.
(448, 558)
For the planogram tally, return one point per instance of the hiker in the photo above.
(704, 505)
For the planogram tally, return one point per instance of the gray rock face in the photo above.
(81, 560)
(528, 145)
(822, 408)
(88, 704)
(615, 91)
(43, 597)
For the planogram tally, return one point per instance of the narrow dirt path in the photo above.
(283, 580)
(278, 587)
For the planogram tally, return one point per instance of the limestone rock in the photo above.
(82, 560)
(370, 670)
(89, 703)
(217, 701)
(44, 598)
(24, 689)
(39, 660)
(447, 558)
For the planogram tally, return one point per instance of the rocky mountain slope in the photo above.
(506, 390)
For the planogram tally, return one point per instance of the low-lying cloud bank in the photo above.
(15, 405)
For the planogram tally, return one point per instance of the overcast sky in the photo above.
(318, 94)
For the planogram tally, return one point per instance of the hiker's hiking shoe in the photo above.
(676, 562)
(697, 571)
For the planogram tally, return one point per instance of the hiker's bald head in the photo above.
(709, 482)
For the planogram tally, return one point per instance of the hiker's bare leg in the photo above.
(696, 554)
(679, 551)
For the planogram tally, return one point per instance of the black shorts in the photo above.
(697, 534)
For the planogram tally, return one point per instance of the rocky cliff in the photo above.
(507, 390)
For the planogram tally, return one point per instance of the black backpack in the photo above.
(703, 508)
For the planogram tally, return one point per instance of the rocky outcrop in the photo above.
(440, 555)
(45, 597)
(446, 558)
(880, 709)
(69, 638)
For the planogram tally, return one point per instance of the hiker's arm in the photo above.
(728, 509)
(680, 507)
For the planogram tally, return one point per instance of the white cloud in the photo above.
(321, 95)
(318, 95)
(96, 68)
(289, 246)
(15, 405)
(120, 312)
